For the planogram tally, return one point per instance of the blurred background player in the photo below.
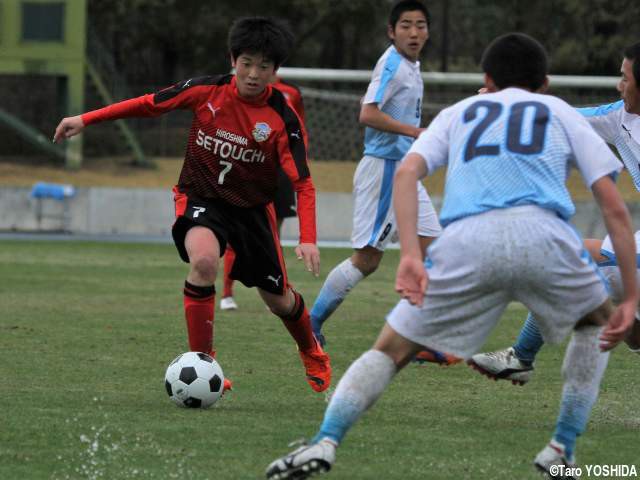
(284, 203)
(619, 125)
(391, 110)
(243, 131)
(506, 205)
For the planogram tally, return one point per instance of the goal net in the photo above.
(332, 102)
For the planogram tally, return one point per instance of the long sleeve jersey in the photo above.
(235, 144)
(621, 129)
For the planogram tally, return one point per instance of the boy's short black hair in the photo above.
(516, 60)
(632, 53)
(270, 37)
(402, 6)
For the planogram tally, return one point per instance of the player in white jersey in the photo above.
(506, 237)
(619, 125)
(391, 110)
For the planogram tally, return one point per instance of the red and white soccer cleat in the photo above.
(318, 367)
(228, 385)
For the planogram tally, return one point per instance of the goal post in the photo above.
(332, 102)
(438, 78)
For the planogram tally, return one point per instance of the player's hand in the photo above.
(309, 253)
(68, 127)
(418, 131)
(412, 279)
(619, 325)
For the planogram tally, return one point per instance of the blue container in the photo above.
(52, 190)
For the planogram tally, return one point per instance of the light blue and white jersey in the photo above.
(620, 129)
(606, 249)
(512, 148)
(396, 87)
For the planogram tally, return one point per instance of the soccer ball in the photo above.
(194, 380)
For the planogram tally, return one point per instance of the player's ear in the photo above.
(489, 84)
(233, 61)
(390, 33)
(545, 85)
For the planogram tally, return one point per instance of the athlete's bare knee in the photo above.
(398, 348)
(366, 260)
(205, 267)
(597, 317)
(593, 246)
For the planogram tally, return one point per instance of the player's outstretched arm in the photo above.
(68, 127)
(618, 223)
(411, 277)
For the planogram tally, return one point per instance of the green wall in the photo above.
(65, 58)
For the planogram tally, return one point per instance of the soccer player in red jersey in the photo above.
(243, 131)
(284, 202)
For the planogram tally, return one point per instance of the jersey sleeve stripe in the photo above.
(389, 70)
(294, 131)
(601, 110)
(178, 88)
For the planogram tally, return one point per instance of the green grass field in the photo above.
(87, 329)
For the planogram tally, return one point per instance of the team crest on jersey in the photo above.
(261, 131)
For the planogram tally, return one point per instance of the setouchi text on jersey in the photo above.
(225, 149)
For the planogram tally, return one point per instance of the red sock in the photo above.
(298, 323)
(229, 258)
(198, 312)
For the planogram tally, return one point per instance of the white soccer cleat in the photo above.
(502, 365)
(554, 464)
(228, 303)
(304, 462)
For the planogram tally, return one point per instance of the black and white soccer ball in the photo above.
(194, 380)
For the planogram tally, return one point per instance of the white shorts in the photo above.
(611, 272)
(374, 223)
(481, 263)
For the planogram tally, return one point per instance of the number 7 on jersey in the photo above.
(225, 170)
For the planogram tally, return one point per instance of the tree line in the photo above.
(160, 41)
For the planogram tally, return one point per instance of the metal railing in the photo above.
(111, 87)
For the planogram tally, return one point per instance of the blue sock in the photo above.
(567, 434)
(529, 341)
(583, 368)
(338, 284)
(356, 392)
(326, 303)
(337, 421)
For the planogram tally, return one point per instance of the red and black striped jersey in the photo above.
(235, 144)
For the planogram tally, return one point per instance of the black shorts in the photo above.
(252, 232)
(285, 201)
